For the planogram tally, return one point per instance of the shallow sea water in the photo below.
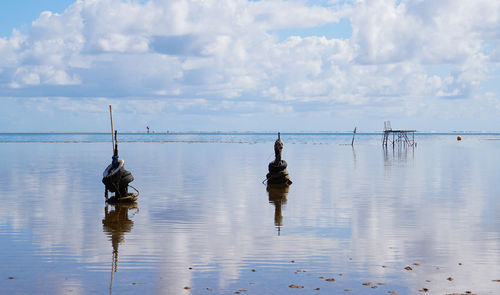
(204, 220)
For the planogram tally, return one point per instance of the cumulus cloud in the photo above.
(226, 50)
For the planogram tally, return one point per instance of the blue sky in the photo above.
(297, 65)
(20, 13)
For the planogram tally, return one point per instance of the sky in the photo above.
(238, 65)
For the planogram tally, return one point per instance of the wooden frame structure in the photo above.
(398, 137)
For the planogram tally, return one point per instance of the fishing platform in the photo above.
(399, 138)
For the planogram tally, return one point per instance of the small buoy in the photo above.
(459, 138)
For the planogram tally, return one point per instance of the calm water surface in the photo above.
(204, 220)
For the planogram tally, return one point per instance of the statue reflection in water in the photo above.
(115, 224)
(277, 197)
(278, 182)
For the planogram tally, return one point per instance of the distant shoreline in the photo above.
(249, 133)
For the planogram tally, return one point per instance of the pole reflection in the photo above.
(115, 224)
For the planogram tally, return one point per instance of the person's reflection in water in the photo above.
(277, 196)
(115, 224)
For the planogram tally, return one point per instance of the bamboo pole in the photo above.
(112, 136)
(354, 134)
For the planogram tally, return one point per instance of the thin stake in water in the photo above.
(354, 134)
(112, 136)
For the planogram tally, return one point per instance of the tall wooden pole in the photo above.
(354, 134)
(112, 136)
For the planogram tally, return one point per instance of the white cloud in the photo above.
(219, 50)
(36, 75)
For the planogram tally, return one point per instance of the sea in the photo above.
(358, 219)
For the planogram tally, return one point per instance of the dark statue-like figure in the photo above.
(116, 179)
(277, 168)
(278, 147)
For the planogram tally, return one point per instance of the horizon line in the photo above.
(249, 132)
